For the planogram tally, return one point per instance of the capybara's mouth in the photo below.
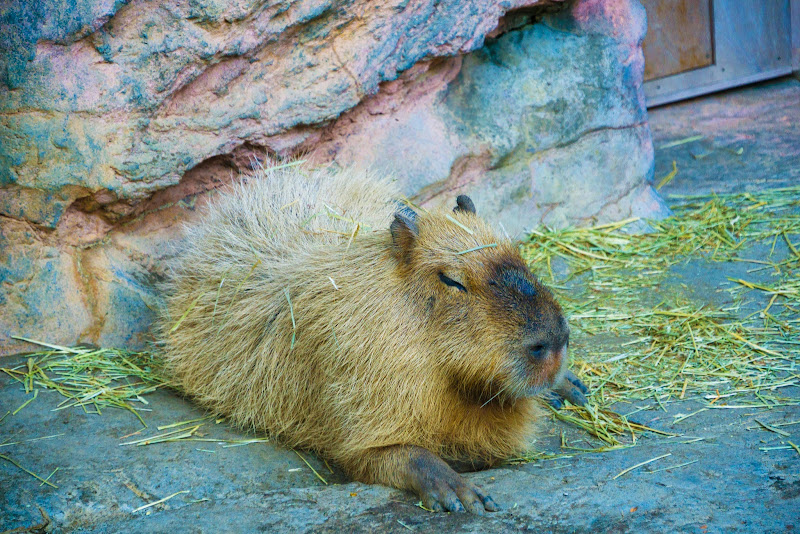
(537, 377)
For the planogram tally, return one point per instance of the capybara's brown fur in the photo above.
(311, 305)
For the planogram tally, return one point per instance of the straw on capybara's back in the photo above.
(311, 304)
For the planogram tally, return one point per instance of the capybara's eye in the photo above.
(452, 283)
(537, 351)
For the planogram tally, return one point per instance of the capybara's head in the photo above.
(499, 333)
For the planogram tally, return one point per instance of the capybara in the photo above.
(314, 305)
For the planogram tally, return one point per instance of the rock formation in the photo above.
(117, 117)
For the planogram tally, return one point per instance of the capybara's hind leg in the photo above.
(419, 470)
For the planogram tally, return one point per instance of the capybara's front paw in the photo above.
(569, 388)
(454, 494)
(442, 489)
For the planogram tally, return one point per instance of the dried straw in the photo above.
(662, 345)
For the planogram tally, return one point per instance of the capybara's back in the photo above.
(310, 304)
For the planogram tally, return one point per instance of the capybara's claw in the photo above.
(575, 381)
(569, 388)
(457, 496)
(488, 503)
(552, 398)
(442, 489)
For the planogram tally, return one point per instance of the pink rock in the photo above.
(115, 124)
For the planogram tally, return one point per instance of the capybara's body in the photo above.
(308, 304)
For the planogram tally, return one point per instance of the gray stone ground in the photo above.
(733, 487)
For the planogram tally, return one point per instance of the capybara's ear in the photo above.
(465, 204)
(404, 233)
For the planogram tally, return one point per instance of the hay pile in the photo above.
(642, 334)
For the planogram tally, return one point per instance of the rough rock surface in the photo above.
(116, 117)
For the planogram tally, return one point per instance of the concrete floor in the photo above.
(761, 121)
(733, 487)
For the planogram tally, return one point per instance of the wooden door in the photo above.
(700, 46)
